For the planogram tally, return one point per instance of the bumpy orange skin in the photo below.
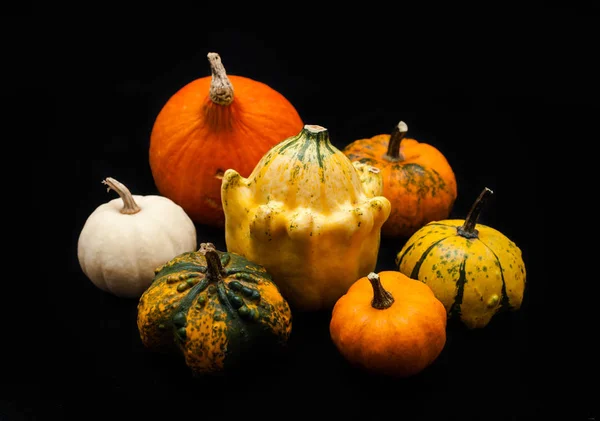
(194, 141)
(398, 341)
(421, 187)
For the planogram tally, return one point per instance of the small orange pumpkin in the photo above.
(212, 124)
(389, 324)
(417, 179)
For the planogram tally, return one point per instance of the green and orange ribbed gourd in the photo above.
(473, 269)
(417, 179)
(309, 215)
(218, 310)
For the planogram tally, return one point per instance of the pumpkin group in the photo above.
(217, 309)
(212, 124)
(308, 215)
(473, 269)
(389, 324)
(417, 179)
(302, 222)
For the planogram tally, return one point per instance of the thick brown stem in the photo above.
(468, 227)
(393, 150)
(382, 299)
(214, 268)
(129, 205)
(221, 89)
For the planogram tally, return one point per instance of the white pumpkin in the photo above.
(124, 240)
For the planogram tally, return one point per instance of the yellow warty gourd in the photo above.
(309, 215)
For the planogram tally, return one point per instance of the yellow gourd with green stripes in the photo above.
(473, 269)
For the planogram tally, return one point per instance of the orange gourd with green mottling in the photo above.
(473, 269)
(417, 179)
(389, 324)
(217, 309)
(212, 124)
(309, 215)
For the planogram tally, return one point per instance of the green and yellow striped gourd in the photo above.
(473, 269)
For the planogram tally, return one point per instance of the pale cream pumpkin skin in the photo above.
(309, 215)
(125, 239)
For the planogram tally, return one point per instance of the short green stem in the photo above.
(316, 132)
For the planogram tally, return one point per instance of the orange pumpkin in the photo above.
(389, 324)
(212, 124)
(417, 179)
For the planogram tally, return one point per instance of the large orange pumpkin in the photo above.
(417, 179)
(212, 124)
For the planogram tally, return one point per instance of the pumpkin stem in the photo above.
(316, 132)
(221, 89)
(468, 227)
(129, 205)
(393, 150)
(214, 268)
(382, 299)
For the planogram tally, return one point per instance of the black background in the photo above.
(488, 88)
